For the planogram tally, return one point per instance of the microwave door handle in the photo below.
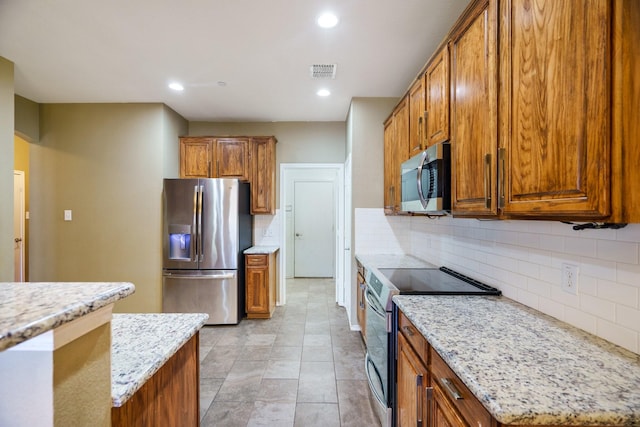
(423, 160)
(200, 194)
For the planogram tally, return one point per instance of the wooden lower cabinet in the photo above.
(429, 393)
(442, 413)
(362, 304)
(261, 279)
(170, 397)
(412, 382)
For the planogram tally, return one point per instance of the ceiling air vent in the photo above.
(323, 71)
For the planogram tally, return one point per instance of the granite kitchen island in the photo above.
(55, 358)
(65, 359)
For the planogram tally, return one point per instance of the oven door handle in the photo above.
(369, 362)
(372, 305)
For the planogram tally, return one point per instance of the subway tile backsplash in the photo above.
(524, 260)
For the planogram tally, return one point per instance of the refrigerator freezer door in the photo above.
(179, 236)
(211, 292)
(219, 246)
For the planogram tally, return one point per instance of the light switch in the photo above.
(67, 215)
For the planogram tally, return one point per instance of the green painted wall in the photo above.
(6, 170)
(105, 162)
(27, 119)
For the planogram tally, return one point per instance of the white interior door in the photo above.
(18, 225)
(314, 229)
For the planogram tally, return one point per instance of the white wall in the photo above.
(523, 260)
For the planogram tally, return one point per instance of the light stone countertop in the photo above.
(142, 343)
(526, 367)
(258, 250)
(30, 309)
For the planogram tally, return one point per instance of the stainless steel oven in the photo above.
(380, 324)
(377, 329)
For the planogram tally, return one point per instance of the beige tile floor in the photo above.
(303, 367)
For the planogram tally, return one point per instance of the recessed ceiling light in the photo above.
(176, 86)
(327, 20)
(323, 92)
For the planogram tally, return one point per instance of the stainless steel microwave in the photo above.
(426, 181)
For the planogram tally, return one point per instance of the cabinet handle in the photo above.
(428, 393)
(501, 177)
(426, 135)
(408, 330)
(428, 397)
(451, 388)
(417, 147)
(487, 181)
(418, 411)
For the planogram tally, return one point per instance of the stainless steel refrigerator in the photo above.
(207, 226)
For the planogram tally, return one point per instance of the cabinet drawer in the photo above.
(457, 393)
(415, 338)
(257, 260)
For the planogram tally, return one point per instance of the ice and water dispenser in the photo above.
(180, 242)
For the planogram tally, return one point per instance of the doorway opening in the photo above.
(312, 209)
(18, 226)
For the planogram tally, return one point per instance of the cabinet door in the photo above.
(362, 308)
(396, 151)
(391, 171)
(474, 113)
(257, 281)
(437, 98)
(401, 133)
(442, 413)
(263, 176)
(416, 118)
(411, 383)
(195, 157)
(232, 158)
(556, 130)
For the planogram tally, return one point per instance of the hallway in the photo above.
(303, 367)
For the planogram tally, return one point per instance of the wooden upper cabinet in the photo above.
(390, 178)
(232, 158)
(263, 175)
(250, 159)
(436, 83)
(416, 118)
(556, 127)
(195, 157)
(396, 151)
(474, 112)
(401, 131)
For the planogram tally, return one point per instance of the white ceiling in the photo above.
(68, 51)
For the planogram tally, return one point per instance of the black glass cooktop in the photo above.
(432, 281)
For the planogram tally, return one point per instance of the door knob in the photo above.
(298, 234)
(17, 240)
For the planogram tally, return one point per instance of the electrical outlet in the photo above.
(569, 281)
(267, 232)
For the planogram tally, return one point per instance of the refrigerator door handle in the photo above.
(201, 249)
(200, 277)
(195, 223)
